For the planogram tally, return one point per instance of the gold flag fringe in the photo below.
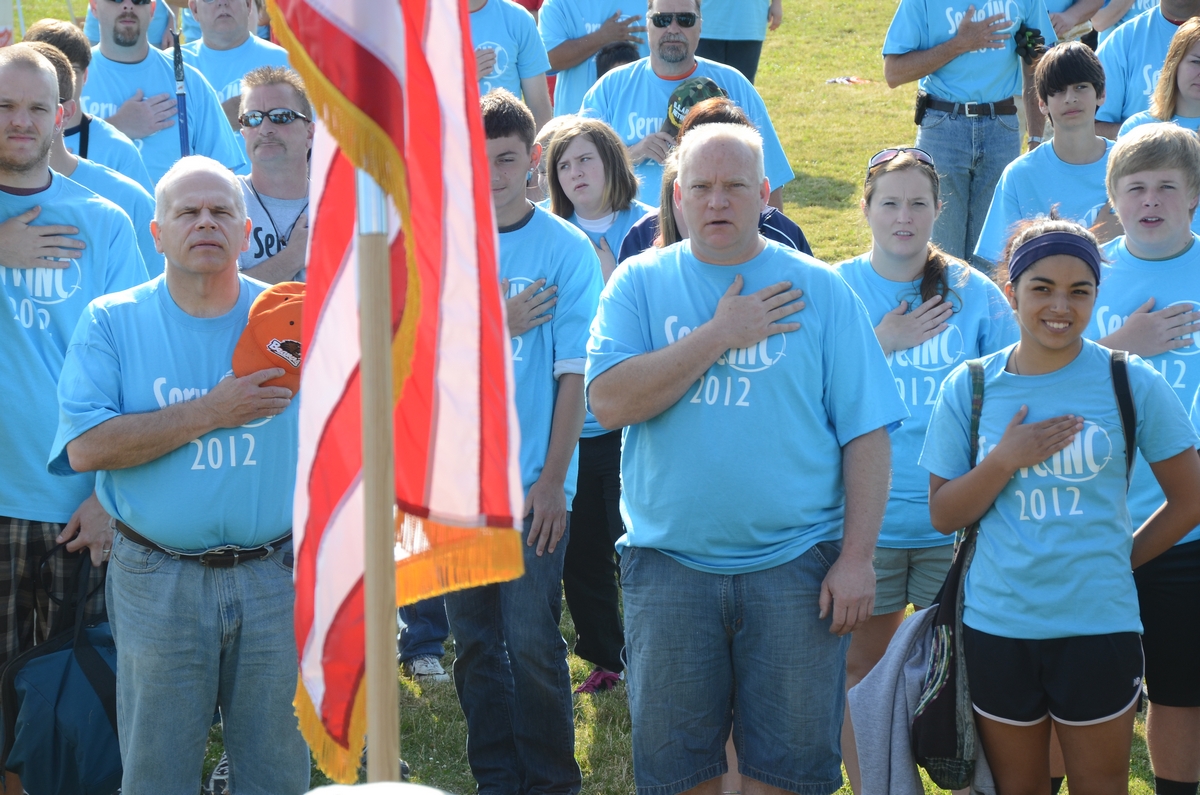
(458, 558)
(335, 760)
(370, 148)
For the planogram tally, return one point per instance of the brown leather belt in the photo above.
(1005, 107)
(223, 558)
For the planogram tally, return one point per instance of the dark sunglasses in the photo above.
(686, 19)
(278, 116)
(883, 156)
(135, 2)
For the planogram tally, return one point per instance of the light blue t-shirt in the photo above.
(735, 20)
(1052, 559)
(1132, 58)
(224, 69)
(136, 352)
(110, 147)
(744, 472)
(41, 308)
(1035, 182)
(547, 247)
(158, 24)
(987, 75)
(130, 197)
(615, 234)
(110, 83)
(505, 27)
(1145, 117)
(982, 323)
(1138, 7)
(566, 20)
(1127, 283)
(633, 100)
(191, 28)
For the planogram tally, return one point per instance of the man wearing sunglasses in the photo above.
(634, 98)
(132, 85)
(228, 50)
(276, 122)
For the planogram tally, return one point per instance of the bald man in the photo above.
(743, 578)
(197, 467)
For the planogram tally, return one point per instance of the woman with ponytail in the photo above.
(931, 312)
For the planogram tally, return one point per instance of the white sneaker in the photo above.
(426, 668)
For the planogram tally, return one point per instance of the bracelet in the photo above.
(1036, 139)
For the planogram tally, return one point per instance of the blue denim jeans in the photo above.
(707, 652)
(425, 629)
(512, 680)
(190, 639)
(971, 154)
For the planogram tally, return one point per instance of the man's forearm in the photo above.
(866, 473)
(537, 97)
(641, 388)
(1108, 129)
(902, 68)
(574, 51)
(134, 439)
(280, 268)
(565, 427)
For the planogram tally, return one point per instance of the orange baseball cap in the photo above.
(272, 335)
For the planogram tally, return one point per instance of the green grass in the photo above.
(828, 131)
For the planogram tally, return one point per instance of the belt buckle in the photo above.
(971, 109)
(221, 560)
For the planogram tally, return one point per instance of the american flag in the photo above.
(393, 83)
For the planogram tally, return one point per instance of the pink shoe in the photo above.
(598, 681)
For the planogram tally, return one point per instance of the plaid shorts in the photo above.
(27, 611)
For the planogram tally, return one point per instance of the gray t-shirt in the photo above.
(271, 224)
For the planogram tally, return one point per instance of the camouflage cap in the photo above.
(684, 97)
(272, 335)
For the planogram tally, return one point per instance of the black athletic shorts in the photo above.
(1079, 680)
(1169, 592)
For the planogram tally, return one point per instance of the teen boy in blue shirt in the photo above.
(1147, 305)
(1066, 172)
(511, 667)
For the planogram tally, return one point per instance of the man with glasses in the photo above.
(228, 50)
(276, 121)
(132, 85)
(633, 99)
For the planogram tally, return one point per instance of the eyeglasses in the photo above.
(686, 19)
(883, 156)
(135, 2)
(280, 116)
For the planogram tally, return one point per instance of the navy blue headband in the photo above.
(1048, 245)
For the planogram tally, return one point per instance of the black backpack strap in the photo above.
(102, 678)
(85, 123)
(975, 368)
(1120, 378)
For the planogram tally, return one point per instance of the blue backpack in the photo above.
(59, 702)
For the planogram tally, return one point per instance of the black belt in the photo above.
(224, 558)
(1005, 107)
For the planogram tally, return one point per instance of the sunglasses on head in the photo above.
(884, 155)
(686, 19)
(254, 118)
(135, 2)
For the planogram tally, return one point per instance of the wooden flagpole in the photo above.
(379, 486)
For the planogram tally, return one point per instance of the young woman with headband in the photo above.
(930, 312)
(1051, 625)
